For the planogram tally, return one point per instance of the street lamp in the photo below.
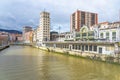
(59, 32)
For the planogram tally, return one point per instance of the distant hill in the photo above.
(11, 31)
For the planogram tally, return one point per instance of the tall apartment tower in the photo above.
(80, 18)
(44, 27)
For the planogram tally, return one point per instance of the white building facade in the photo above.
(110, 32)
(43, 31)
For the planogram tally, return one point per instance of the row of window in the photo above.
(78, 47)
(85, 47)
(85, 34)
(45, 23)
(108, 35)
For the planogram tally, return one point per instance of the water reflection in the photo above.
(26, 63)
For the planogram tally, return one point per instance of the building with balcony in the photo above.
(70, 36)
(110, 32)
(105, 31)
(87, 33)
(43, 31)
(80, 18)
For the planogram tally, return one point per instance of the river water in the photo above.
(27, 63)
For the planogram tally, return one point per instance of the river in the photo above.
(27, 63)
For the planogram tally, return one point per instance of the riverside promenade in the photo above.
(102, 51)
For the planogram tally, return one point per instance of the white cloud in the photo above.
(27, 12)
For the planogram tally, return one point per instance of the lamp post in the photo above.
(59, 32)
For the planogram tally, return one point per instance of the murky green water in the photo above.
(26, 63)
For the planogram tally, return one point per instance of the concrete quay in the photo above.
(3, 47)
(86, 55)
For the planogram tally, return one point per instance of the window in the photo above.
(82, 47)
(101, 35)
(91, 34)
(114, 36)
(90, 47)
(107, 35)
(76, 47)
(84, 34)
(100, 50)
(86, 47)
(78, 35)
(95, 48)
(79, 47)
(73, 46)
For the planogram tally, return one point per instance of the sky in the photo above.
(15, 14)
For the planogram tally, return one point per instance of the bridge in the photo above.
(21, 44)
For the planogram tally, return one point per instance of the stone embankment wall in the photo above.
(3, 47)
(88, 55)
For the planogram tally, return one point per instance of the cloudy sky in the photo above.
(14, 14)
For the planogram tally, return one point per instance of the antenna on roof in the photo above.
(44, 9)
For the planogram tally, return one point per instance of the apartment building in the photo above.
(43, 31)
(81, 18)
